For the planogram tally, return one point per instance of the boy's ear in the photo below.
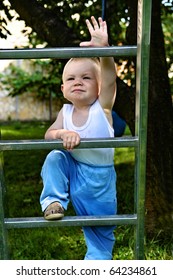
(62, 87)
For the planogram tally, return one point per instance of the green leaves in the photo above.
(41, 77)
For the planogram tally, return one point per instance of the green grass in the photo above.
(24, 185)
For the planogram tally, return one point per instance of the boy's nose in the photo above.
(78, 82)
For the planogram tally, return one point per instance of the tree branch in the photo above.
(45, 23)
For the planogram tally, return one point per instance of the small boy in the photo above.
(85, 176)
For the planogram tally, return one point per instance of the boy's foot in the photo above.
(54, 211)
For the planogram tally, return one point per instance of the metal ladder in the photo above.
(141, 51)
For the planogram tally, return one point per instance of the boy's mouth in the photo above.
(77, 90)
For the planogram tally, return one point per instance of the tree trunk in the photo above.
(159, 196)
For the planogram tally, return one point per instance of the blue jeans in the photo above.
(92, 191)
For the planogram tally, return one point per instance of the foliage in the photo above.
(43, 78)
(5, 15)
(23, 190)
(18, 81)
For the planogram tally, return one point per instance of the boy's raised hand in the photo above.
(98, 32)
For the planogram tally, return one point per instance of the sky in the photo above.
(16, 39)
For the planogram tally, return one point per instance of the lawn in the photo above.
(24, 185)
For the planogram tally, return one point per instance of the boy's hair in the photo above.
(95, 60)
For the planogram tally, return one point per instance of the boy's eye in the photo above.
(70, 79)
(86, 78)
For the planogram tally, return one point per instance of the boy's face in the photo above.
(81, 82)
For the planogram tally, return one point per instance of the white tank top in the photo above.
(96, 126)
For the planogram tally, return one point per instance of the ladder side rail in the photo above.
(142, 81)
(3, 233)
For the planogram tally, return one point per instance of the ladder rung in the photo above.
(34, 222)
(67, 52)
(8, 145)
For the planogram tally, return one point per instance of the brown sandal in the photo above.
(54, 211)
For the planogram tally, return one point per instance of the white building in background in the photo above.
(26, 106)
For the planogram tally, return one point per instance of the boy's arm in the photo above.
(108, 83)
(53, 132)
(99, 38)
(56, 131)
